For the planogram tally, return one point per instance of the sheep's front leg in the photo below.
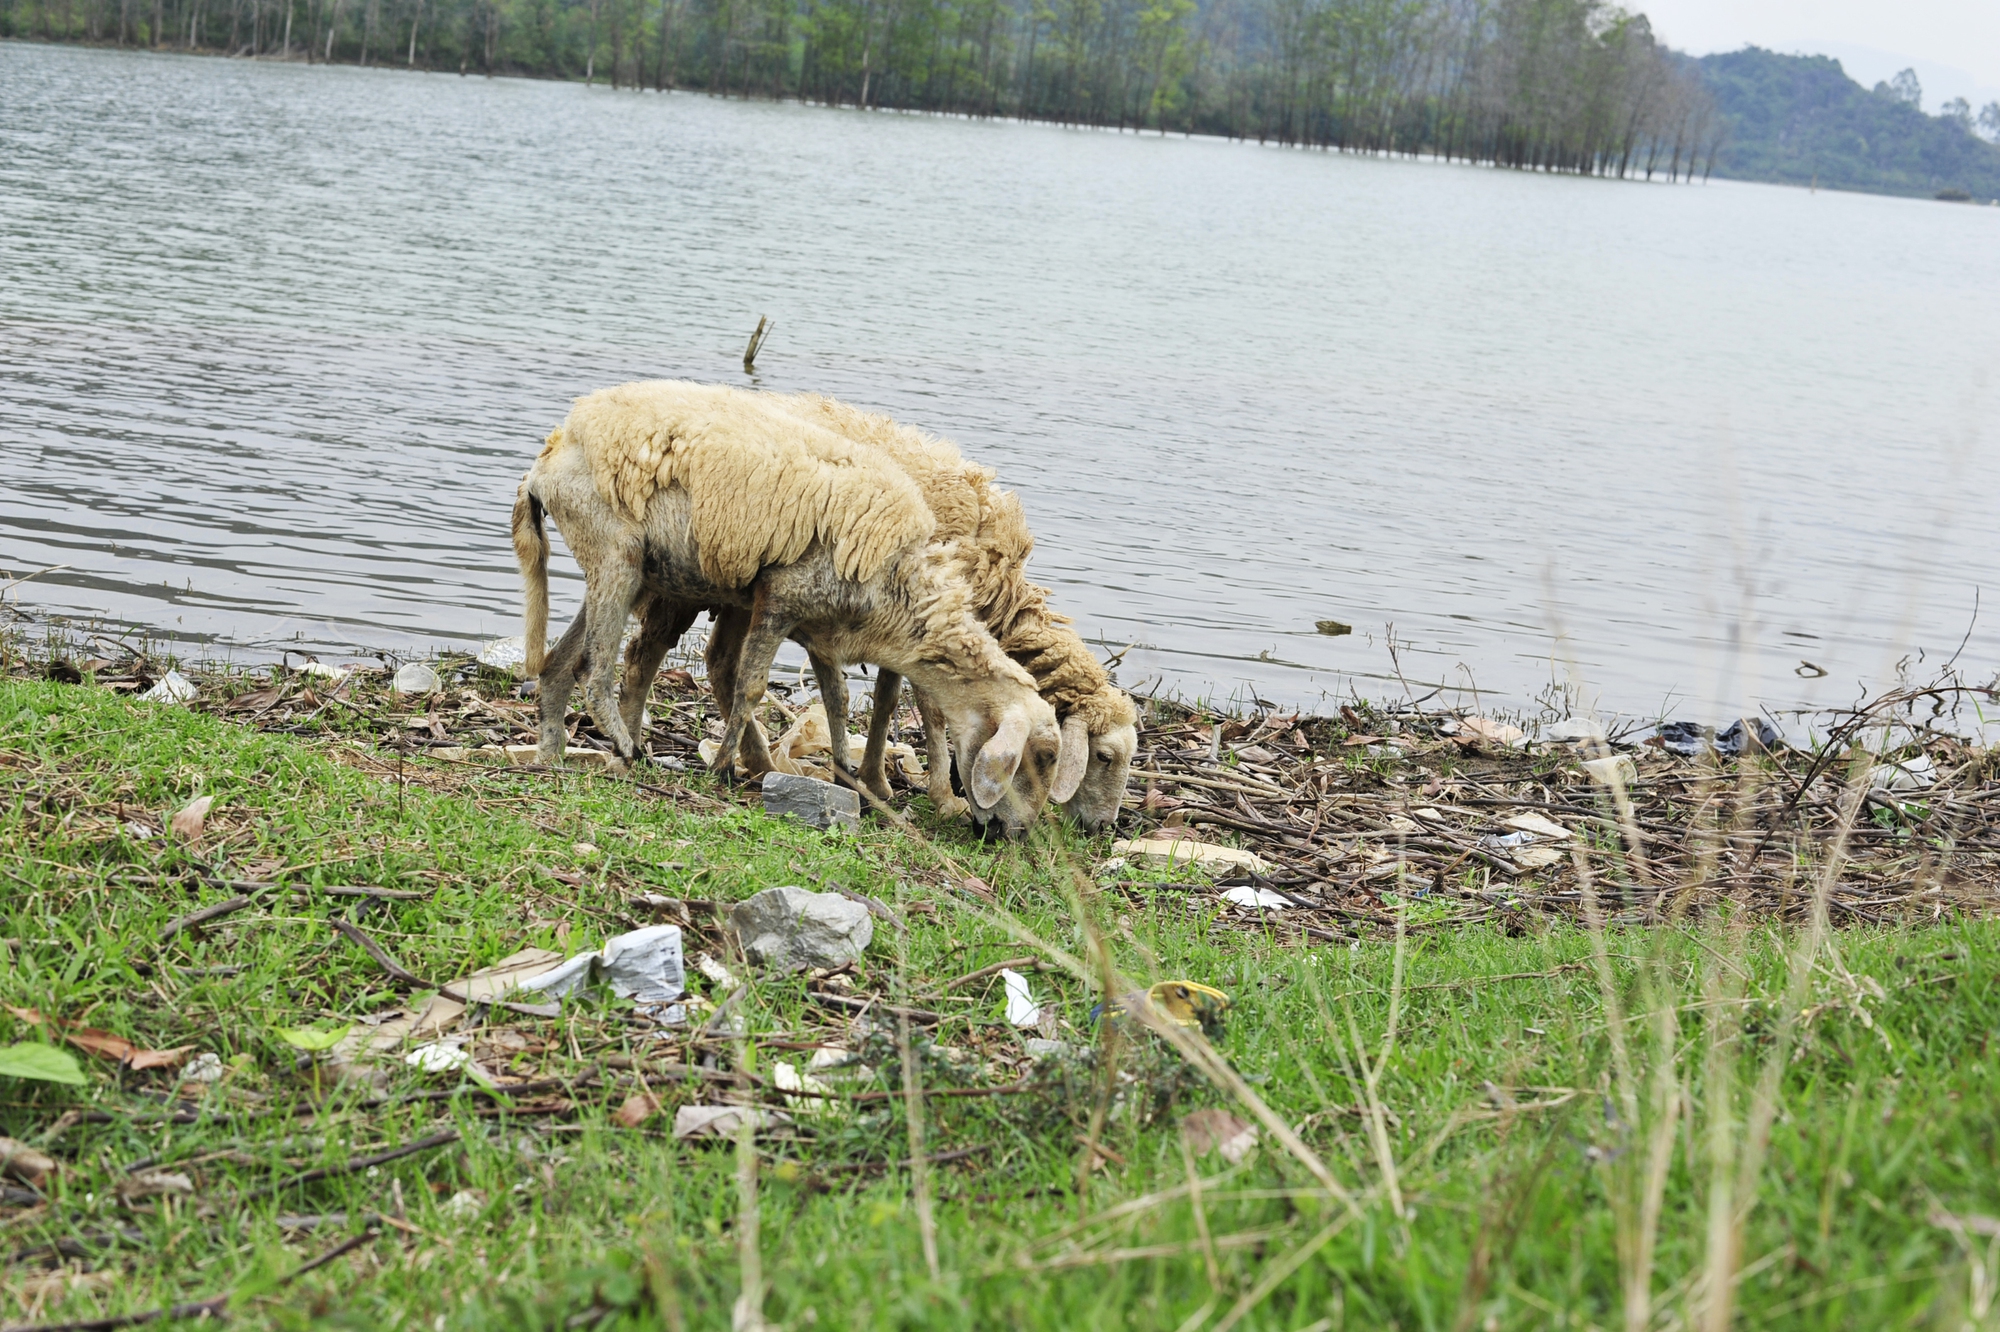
(766, 633)
(661, 624)
(874, 761)
(552, 691)
(724, 658)
(608, 604)
(833, 697)
(938, 749)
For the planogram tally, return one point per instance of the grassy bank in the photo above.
(1494, 1165)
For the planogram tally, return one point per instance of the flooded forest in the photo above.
(1559, 85)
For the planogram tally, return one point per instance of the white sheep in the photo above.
(677, 497)
(987, 537)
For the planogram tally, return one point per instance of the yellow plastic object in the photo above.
(1182, 1002)
(1189, 1003)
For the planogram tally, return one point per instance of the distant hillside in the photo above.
(1797, 119)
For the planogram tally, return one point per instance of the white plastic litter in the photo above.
(464, 1205)
(173, 687)
(1539, 826)
(504, 654)
(319, 670)
(562, 980)
(817, 1096)
(1022, 1010)
(204, 1067)
(643, 966)
(437, 1057)
(1574, 730)
(1911, 774)
(722, 1121)
(1187, 851)
(1613, 770)
(716, 973)
(415, 678)
(1262, 898)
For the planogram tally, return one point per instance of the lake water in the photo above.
(276, 343)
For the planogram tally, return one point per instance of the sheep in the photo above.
(678, 497)
(990, 543)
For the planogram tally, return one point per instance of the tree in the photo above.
(1903, 88)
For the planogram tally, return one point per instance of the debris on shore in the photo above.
(1340, 823)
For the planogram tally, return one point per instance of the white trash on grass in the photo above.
(173, 687)
(1262, 898)
(1022, 1010)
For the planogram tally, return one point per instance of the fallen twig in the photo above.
(216, 1306)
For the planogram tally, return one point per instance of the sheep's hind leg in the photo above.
(938, 749)
(874, 761)
(552, 691)
(833, 697)
(661, 625)
(608, 605)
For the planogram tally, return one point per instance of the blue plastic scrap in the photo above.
(1691, 739)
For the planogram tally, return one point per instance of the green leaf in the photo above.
(44, 1063)
(314, 1038)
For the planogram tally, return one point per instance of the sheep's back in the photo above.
(762, 484)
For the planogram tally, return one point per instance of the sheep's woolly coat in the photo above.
(989, 541)
(765, 484)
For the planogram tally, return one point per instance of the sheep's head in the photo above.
(1006, 750)
(1098, 792)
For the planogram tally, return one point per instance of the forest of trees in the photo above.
(1800, 120)
(1558, 85)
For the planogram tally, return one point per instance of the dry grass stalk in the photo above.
(913, 1117)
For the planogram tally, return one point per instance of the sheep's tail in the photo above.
(531, 550)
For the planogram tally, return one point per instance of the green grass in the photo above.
(1499, 1103)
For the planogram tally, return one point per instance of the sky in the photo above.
(1954, 45)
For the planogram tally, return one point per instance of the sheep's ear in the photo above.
(998, 759)
(1071, 759)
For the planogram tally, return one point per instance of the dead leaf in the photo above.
(55, 1285)
(24, 1163)
(155, 1184)
(978, 887)
(1473, 730)
(1154, 800)
(1213, 1130)
(638, 1108)
(188, 823)
(173, 1058)
(93, 1041)
(254, 701)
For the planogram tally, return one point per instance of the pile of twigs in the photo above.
(1482, 821)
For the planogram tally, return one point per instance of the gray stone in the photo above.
(790, 929)
(812, 802)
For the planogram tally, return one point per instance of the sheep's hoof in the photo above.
(952, 806)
